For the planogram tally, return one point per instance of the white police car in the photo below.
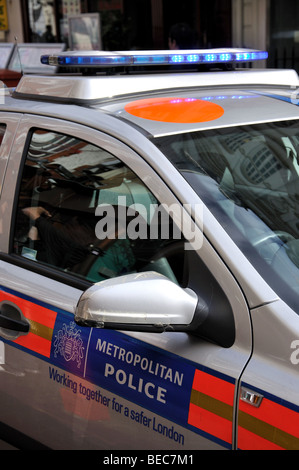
(150, 255)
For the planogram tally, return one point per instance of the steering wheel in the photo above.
(160, 261)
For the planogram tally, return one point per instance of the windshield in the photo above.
(248, 178)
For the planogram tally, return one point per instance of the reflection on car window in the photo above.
(249, 178)
(77, 203)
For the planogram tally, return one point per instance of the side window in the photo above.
(84, 211)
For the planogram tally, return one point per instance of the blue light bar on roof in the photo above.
(123, 58)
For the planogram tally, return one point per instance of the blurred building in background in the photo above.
(145, 24)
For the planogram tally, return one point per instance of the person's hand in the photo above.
(35, 212)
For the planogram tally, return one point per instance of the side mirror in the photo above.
(143, 301)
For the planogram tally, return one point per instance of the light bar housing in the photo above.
(98, 59)
(86, 89)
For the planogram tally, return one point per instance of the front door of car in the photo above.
(82, 209)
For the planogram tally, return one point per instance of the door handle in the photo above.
(13, 324)
(12, 318)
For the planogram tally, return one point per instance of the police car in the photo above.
(150, 254)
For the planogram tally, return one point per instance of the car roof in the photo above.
(167, 103)
(204, 109)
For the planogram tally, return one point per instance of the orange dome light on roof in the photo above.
(175, 110)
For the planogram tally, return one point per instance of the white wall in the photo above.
(15, 22)
(249, 24)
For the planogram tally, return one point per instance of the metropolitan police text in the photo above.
(144, 365)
